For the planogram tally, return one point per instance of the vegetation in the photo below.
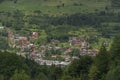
(115, 3)
(94, 21)
(13, 67)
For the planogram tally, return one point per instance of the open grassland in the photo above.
(56, 7)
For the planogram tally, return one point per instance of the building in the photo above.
(1, 28)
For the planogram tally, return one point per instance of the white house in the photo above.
(1, 27)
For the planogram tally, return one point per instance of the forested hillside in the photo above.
(59, 39)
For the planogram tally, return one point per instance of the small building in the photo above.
(1, 27)
(35, 34)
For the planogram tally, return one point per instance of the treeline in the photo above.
(15, 1)
(94, 19)
(1, 1)
(115, 3)
(104, 66)
(21, 22)
(19, 18)
(13, 67)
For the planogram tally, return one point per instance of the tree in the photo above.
(115, 3)
(15, 1)
(57, 73)
(93, 73)
(1, 1)
(102, 61)
(80, 66)
(9, 62)
(114, 74)
(115, 51)
(3, 43)
(66, 77)
(1, 77)
(20, 76)
(48, 53)
(41, 76)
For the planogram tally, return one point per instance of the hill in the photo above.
(68, 16)
(56, 6)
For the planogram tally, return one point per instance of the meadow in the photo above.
(56, 7)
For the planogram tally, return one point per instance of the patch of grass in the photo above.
(51, 6)
(0, 24)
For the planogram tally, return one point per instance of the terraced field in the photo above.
(56, 7)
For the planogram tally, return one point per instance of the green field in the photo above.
(56, 7)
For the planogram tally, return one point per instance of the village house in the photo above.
(77, 41)
(90, 52)
(55, 42)
(1, 27)
(51, 62)
(34, 36)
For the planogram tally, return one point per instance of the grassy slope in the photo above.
(50, 6)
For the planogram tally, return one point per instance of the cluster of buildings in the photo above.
(38, 53)
(21, 42)
(84, 46)
(52, 62)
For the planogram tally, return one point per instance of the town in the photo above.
(51, 53)
(59, 39)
